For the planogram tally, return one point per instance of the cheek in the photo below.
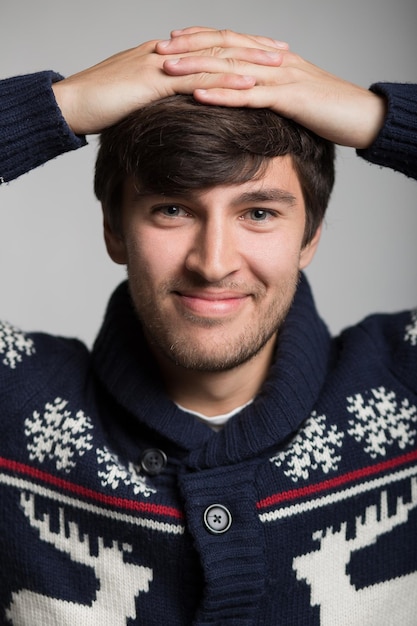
(152, 258)
(274, 260)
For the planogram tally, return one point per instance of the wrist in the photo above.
(377, 112)
(63, 100)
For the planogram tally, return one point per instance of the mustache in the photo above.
(196, 282)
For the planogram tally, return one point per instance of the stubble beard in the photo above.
(224, 352)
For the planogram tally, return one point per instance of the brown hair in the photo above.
(176, 144)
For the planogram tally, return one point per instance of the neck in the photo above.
(216, 393)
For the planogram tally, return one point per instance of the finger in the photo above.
(198, 37)
(240, 61)
(256, 97)
(203, 39)
(267, 41)
(189, 30)
(212, 81)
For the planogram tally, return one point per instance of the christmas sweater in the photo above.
(118, 508)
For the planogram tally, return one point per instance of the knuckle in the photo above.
(234, 65)
(203, 76)
(225, 33)
(216, 51)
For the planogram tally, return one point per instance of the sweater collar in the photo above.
(125, 366)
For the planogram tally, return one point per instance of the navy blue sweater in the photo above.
(118, 508)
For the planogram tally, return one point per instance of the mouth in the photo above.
(211, 303)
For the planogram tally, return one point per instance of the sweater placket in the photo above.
(222, 519)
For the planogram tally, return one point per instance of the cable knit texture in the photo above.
(396, 145)
(32, 129)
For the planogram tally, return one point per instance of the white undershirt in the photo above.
(217, 421)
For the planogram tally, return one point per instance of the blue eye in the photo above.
(259, 215)
(171, 210)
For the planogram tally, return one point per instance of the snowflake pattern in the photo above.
(314, 447)
(13, 345)
(381, 420)
(114, 473)
(411, 330)
(57, 435)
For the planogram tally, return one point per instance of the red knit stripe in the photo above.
(79, 490)
(338, 481)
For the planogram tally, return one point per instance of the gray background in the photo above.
(54, 272)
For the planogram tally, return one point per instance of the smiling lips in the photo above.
(212, 304)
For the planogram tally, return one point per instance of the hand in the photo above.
(100, 96)
(331, 107)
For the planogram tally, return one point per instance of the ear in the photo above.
(309, 250)
(115, 244)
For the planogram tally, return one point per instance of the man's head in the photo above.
(214, 211)
(176, 145)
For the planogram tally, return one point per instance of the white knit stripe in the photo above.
(338, 496)
(28, 486)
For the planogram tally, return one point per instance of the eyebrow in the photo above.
(266, 195)
(273, 194)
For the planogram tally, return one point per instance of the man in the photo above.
(122, 503)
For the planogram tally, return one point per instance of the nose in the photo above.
(213, 253)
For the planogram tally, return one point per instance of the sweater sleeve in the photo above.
(32, 128)
(396, 144)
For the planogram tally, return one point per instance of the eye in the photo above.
(259, 215)
(171, 210)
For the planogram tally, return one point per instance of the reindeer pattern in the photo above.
(120, 582)
(325, 571)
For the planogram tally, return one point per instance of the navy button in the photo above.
(153, 461)
(217, 519)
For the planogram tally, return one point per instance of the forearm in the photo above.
(32, 128)
(37, 123)
(396, 144)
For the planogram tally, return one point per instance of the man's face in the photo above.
(213, 273)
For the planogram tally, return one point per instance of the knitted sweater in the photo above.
(118, 508)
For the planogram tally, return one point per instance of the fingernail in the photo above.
(164, 44)
(281, 44)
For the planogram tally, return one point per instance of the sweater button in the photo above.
(153, 461)
(217, 519)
